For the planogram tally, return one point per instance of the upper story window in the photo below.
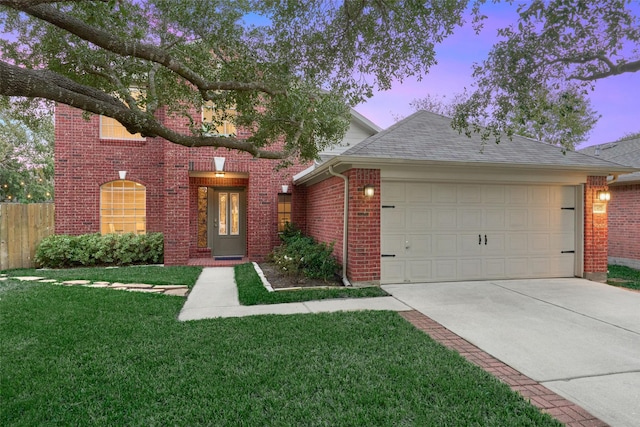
(112, 129)
(123, 207)
(218, 122)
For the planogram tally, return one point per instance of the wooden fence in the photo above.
(22, 227)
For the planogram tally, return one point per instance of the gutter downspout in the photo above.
(345, 281)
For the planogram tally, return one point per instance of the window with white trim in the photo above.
(123, 207)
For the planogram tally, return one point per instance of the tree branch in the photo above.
(24, 82)
(133, 49)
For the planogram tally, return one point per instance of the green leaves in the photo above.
(288, 68)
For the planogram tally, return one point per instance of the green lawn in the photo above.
(83, 356)
(251, 291)
(152, 275)
(631, 276)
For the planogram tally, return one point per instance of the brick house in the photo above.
(423, 204)
(624, 206)
(173, 189)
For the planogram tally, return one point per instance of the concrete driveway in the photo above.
(580, 339)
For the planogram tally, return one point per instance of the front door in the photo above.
(226, 221)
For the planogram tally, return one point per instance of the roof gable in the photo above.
(626, 152)
(430, 137)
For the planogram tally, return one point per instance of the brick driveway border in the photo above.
(555, 405)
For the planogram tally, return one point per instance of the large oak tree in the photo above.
(288, 68)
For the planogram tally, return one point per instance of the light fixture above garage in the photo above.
(369, 190)
(603, 195)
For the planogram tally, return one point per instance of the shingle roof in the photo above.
(625, 152)
(429, 136)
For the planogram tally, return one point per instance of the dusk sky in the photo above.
(616, 99)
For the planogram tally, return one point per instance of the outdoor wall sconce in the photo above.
(603, 196)
(369, 190)
(218, 163)
(285, 188)
(122, 175)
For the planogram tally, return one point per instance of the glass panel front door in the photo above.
(227, 222)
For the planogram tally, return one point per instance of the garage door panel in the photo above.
(539, 243)
(444, 193)
(418, 193)
(393, 219)
(419, 245)
(494, 267)
(494, 244)
(446, 232)
(494, 194)
(393, 270)
(516, 267)
(517, 219)
(418, 219)
(517, 243)
(517, 195)
(419, 271)
(445, 245)
(469, 268)
(392, 191)
(539, 195)
(470, 244)
(494, 219)
(392, 244)
(445, 270)
(470, 194)
(539, 218)
(445, 219)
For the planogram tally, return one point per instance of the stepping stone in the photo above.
(177, 292)
(98, 285)
(118, 285)
(147, 290)
(138, 286)
(2, 279)
(28, 278)
(76, 282)
(48, 281)
(167, 287)
(102, 283)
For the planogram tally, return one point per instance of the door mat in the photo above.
(227, 258)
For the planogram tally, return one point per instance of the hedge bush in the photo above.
(302, 255)
(86, 250)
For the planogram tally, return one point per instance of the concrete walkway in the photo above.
(215, 295)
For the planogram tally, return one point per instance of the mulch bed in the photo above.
(279, 279)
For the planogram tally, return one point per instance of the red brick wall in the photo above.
(84, 162)
(363, 239)
(624, 222)
(595, 231)
(325, 211)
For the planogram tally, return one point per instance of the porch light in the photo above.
(218, 163)
(285, 188)
(603, 196)
(122, 174)
(369, 190)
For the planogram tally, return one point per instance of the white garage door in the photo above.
(448, 232)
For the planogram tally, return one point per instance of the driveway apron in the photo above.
(580, 339)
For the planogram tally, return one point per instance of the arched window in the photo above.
(123, 207)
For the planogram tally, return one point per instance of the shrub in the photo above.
(61, 251)
(302, 255)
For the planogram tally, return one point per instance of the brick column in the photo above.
(363, 239)
(595, 232)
